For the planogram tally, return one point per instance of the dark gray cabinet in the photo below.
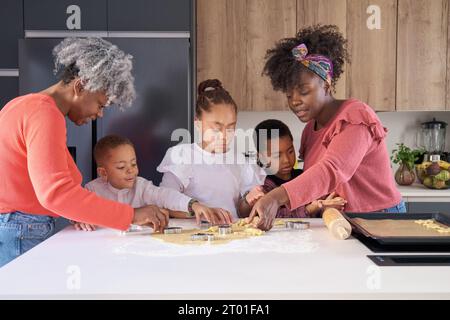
(424, 207)
(9, 89)
(11, 26)
(86, 15)
(149, 15)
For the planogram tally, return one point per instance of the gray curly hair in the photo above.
(99, 64)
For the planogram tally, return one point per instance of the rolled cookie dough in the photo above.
(241, 230)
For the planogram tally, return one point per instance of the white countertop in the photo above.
(85, 265)
(419, 193)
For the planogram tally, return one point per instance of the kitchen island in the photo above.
(104, 264)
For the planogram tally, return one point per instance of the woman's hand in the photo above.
(254, 195)
(80, 226)
(152, 216)
(212, 215)
(267, 207)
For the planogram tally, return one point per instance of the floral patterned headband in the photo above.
(320, 65)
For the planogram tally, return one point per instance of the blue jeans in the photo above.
(19, 232)
(400, 208)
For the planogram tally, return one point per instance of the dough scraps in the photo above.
(433, 224)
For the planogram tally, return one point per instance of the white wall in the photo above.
(402, 126)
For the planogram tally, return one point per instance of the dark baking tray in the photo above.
(409, 260)
(443, 218)
(376, 247)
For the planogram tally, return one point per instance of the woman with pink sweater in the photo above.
(343, 142)
(39, 180)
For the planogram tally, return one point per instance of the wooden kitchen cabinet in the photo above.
(422, 54)
(371, 75)
(221, 45)
(447, 96)
(401, 66)
(363, 78)
(232, 39)
(268, 21)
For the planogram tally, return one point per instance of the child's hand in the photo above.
(213, 215)
(254, 195)
(80, 226)
(330, 202)
(333, 202)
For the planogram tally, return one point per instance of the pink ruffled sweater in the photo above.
(349, 156)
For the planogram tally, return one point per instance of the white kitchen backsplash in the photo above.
(402, 126)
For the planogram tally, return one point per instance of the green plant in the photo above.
(405, 155)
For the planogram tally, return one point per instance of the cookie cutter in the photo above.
(288, 224)
(205, 225)
(202, 237)
(299, 225)
(225, 229)
(136, 230)
(172, 230)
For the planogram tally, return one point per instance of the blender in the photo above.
(432, 139)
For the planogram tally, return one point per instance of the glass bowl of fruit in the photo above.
(434, 175)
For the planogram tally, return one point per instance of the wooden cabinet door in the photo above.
(268, 21)
(372, 71)
(221, 45)
(447, 100)
(310, 12)
(422, 54)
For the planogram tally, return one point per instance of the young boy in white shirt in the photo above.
(118, 180)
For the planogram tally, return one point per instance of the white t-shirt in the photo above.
(143, 193)
(215, 179)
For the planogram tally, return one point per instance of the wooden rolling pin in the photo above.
(339, 227)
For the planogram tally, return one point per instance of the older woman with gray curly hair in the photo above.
(40, 181)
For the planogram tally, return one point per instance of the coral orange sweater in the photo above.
(349, 156)
(38, 175)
